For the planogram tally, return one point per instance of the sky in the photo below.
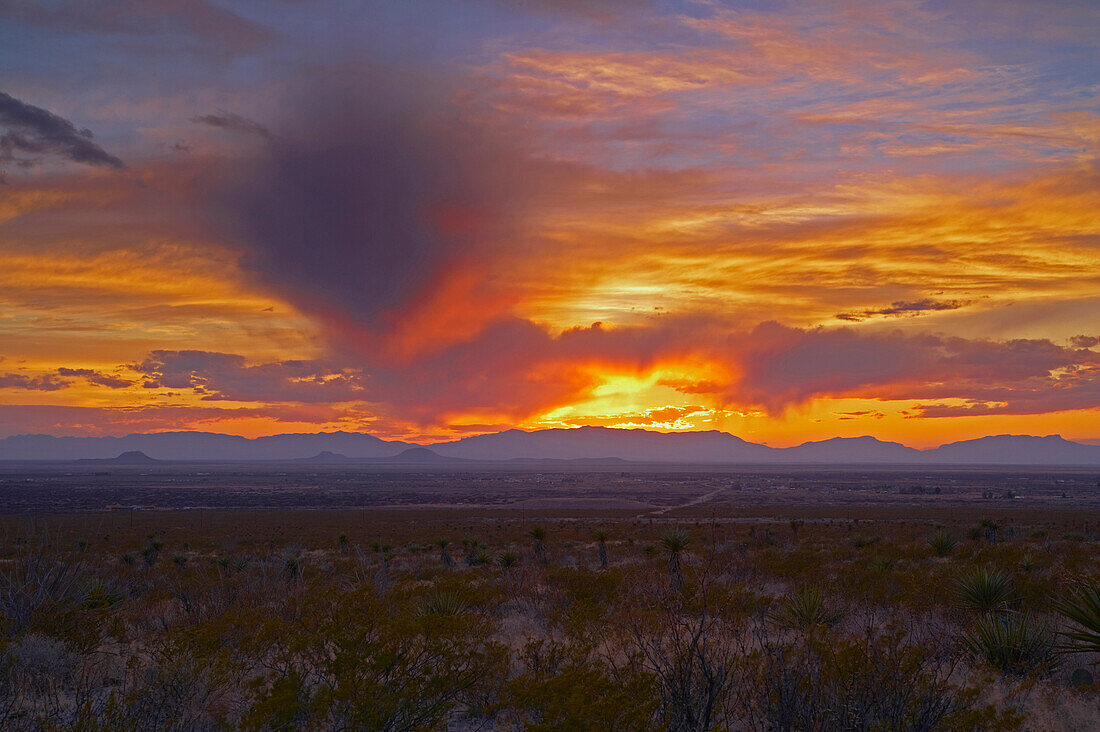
(789, 221)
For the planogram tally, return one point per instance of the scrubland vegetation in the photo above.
(443, 619)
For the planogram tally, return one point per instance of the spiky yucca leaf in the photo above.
(675, 540)
(805, 609)
(1083, 608)
(942, 542)
(1015, 644)
(986, 590)
(444, 603)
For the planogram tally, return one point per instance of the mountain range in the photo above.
(579, 444)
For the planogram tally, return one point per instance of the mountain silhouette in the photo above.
(588, 444)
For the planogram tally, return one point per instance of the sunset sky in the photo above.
(425, 220)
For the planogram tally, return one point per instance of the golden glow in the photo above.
(865, 169)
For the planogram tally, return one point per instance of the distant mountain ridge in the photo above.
(199, 446)
(582, 444)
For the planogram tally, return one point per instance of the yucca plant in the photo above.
(942, 543)
(99, 594)
(881, 565)
(986, 590)
(990, 527)
(538, 537)
(1083, 608)
(444, 604)
(507, 559)
(862, 541)
(806, 609)
(601, 537)
(675, 541)
(444, 553)
(1016, 643)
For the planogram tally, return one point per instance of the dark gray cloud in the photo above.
(373, 190)
(1084, 341)
(62, 378)
(785, 366)
(902, 308)
(36, 131)
(96, 377)
(233, 123)
(46, 382)
(229, 377)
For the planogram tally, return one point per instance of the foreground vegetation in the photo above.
(443, 620)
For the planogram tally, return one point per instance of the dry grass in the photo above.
(295, 619)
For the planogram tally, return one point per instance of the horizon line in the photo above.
(1089, 442)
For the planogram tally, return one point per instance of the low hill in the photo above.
(133, 457)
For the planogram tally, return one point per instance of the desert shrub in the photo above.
(1017, 643)
(404, 670)
(179, 686)
(692, 658)
(280, 630)
(885, 679)
(561, 686)
(36, 583)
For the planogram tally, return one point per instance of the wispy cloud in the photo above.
(902, 308)
(233, 123)
(31, 130)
